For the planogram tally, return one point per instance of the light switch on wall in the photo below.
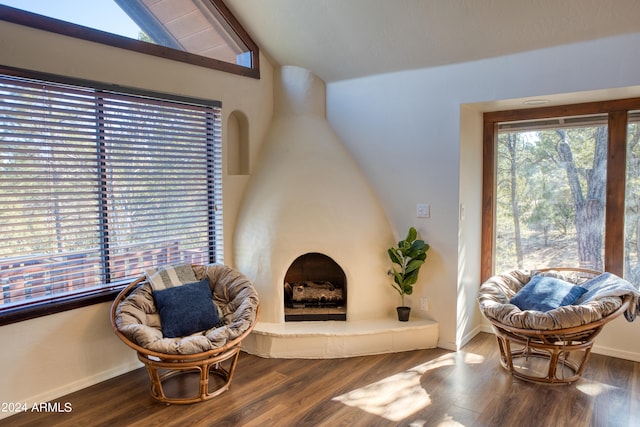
(423, 210)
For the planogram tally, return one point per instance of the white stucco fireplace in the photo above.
(307, 195)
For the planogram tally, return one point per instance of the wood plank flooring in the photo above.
(418, 388)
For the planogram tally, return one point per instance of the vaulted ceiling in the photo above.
(344, 39)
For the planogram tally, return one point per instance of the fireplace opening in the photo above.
(315, 288)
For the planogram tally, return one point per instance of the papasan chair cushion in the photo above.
(602, 297)
(235, 298)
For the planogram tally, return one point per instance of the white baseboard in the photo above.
(469, 336)
(486, 328)
(612, 352)
(73, 386)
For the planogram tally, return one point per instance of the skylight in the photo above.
(203, 28)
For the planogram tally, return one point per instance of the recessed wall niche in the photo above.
(237, 144)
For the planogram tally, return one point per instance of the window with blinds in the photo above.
(96, 186)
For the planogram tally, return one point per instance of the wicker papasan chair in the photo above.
(546, 332)
(184, 321)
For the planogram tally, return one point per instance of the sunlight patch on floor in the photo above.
(399, 396)
(472, 358)
(448, 421)
(593, 388)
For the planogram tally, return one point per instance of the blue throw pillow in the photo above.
(546, 293)
(186, 309)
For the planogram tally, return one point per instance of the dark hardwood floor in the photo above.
(417, 388)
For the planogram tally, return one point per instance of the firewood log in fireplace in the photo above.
(314, 293)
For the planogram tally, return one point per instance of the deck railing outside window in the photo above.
(98, 185)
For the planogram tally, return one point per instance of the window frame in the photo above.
(617, 111)
(106, 293)
(33, 20)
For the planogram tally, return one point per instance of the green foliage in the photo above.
(408, 255)
(142, 36)
(547, 178)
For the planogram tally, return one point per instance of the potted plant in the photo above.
(409, 256)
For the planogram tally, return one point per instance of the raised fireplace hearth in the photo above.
(315, 288)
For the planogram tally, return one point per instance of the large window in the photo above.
(97, 185)
(560, 188)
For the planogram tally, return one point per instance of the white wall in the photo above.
(417, 136)
(469, 317)
(51, 356)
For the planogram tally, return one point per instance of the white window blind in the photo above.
(96, 186)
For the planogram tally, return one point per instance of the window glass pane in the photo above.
(193, 26)
(156, 182)
(550, 193)
(104, 15)
(632, 200)
(97, 186)
(48, 206)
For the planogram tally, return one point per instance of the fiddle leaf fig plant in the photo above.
(408, 257)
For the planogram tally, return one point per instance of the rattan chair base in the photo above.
(560, 363)
(208, 368)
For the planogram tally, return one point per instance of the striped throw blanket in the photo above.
(170, 276)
